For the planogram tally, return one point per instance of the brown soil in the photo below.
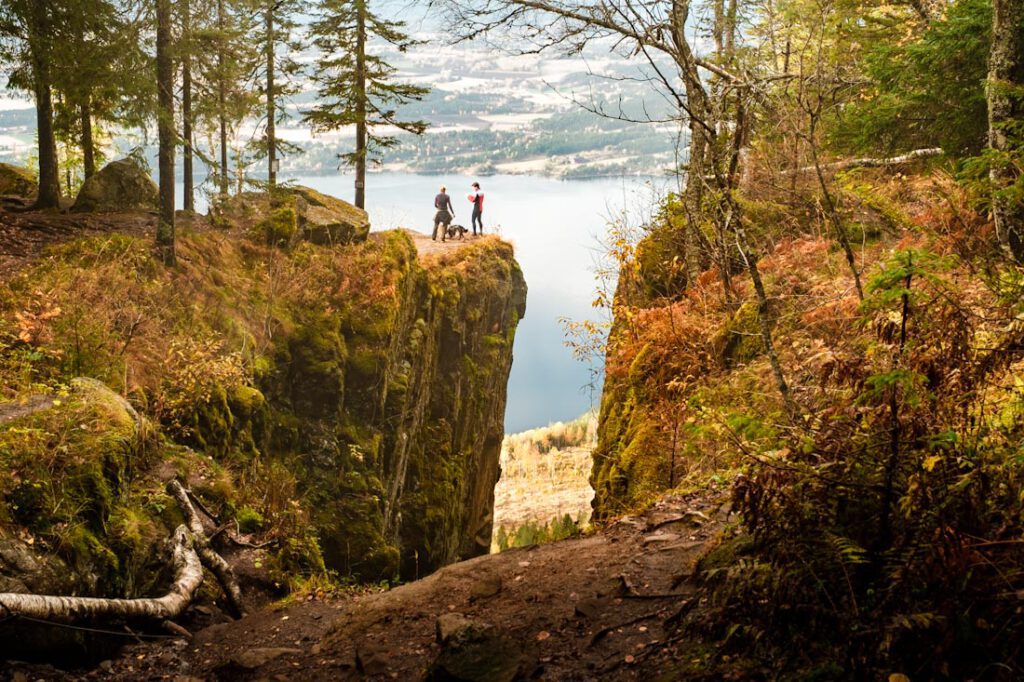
(596, 607)
(24, 235)
(426, 246)
(589, 608)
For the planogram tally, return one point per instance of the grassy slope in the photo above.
(292, 389)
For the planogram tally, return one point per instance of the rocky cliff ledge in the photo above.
(344, 402)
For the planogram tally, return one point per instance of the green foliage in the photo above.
(279, 228)
(357, 87)
(534, 533)
(927, 91)
(861, 522)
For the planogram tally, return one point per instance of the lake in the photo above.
(556, 227)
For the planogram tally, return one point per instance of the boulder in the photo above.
(67, 462)
(24, 570)
(17, 181)
(252, 659)
(325, 219)
(473, 651)
(119, 186)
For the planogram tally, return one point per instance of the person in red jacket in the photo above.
(477, 197)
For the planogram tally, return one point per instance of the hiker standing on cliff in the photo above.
(445, 213)
(477, 197)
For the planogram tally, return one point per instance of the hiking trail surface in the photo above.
(597, 607)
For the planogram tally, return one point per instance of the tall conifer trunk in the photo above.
(186, 108)
(1005, 112)
(360, 198)
(271, 105)
(222, 117)
(49, 177)
(88, 145)
(165, 131)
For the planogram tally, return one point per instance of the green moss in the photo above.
(313, 361)
(659, 257)
(17, 181)
(294, 396)
(740, 339)
(279, 228)
(249, 520)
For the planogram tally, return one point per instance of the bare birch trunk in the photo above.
(210, 559)
(188, 577)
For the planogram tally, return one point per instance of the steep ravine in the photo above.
(344, 403)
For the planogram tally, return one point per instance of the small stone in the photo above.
(371, 663)
(480, 652)
(487, 586)
(590, 608)
(257, 658)
(448, 624)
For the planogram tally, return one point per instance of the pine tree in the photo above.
(100, 73)
(224, 63)
(356, 87)
(277, 36)
(30, 31)
(165, 130)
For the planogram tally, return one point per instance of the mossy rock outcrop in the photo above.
(347, 400)
(394, 407)
(119, 186)
(17, 181)
(323, 219)
(69, 459)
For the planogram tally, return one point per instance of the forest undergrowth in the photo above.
(880, 505)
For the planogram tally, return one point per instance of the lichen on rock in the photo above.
(324, 219)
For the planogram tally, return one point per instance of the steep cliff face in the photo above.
(399, 406)
(347, 400)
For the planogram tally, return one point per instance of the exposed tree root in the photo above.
(605, 631)
(210, 559)
(224, 528)
(188, 577)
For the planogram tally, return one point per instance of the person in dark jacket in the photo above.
(477, 197)
(445, 213)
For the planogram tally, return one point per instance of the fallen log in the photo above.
(883, 162)
(209, 557)
(188, 576)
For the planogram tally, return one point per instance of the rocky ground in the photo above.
(596, 607)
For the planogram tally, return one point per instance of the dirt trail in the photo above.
(24, 235)
(582, 609)
(428, 247)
